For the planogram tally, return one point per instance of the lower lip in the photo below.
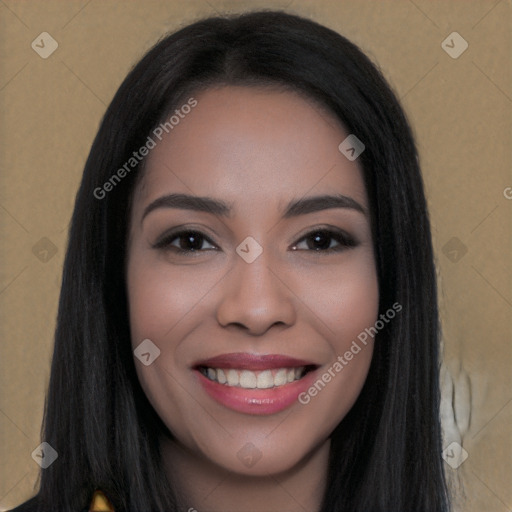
(256, 401)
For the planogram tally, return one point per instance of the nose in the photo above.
(255, 298)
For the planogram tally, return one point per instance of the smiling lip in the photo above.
(255, 401)
(253, 362)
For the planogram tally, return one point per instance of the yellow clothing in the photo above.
(100, 503)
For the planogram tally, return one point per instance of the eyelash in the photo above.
(344, 240)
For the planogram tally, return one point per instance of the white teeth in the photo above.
(248, 380)
(233, 379)
(265, 380)
(280, 377)
(254, 380)
(221, 376)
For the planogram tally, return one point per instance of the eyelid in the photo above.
(340, 245)
(165, 239)
(326, 228)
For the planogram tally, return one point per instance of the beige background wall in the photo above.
(460, 109)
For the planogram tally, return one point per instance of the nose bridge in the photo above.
(254, 296)
(257, 274)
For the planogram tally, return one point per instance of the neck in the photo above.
(203, 486)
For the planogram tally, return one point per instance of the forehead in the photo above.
(249, 145)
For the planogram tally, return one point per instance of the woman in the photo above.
(248, 315)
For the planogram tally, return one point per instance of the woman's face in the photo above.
(252, 284)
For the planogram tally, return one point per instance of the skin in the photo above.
(257, 149)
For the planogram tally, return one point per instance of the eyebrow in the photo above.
(295, 208)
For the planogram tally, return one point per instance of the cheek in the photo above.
(158, 300)
(345, 304)
(163, 302)
(345, 298)
(161, 296)
(354, 306)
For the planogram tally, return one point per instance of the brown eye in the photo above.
(185, 242)
(325, 240)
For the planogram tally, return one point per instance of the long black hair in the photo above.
(386, 453)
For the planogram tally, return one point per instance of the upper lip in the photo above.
(246, 361)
